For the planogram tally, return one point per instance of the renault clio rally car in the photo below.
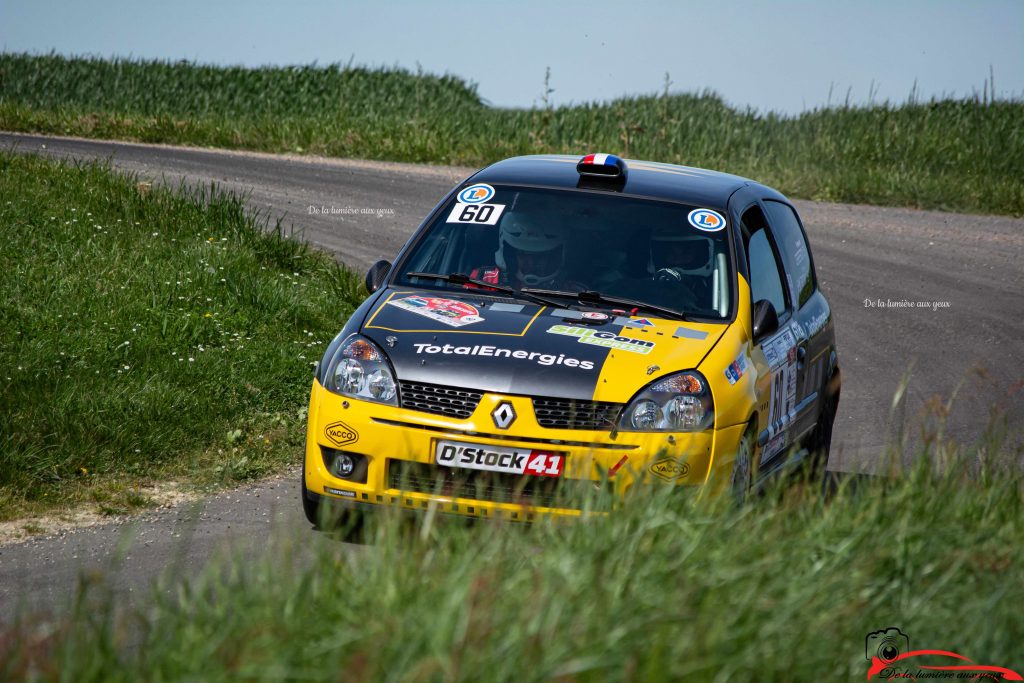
(561, 322)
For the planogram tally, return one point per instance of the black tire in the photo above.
(742, 479)
(310, 502)
(820, 442)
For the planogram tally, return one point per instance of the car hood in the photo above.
(504, 346)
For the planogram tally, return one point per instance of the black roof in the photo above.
(695, 186)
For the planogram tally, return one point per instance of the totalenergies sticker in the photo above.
(448, 311)
(706, 220)
(476, 194)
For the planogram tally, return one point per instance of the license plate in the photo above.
(497, 459)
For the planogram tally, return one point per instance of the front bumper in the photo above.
(399, 447)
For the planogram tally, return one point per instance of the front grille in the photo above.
(494, 487)
(553, 413)
(439, 400)
(558, 413)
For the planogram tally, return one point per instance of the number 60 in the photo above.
(476, 213)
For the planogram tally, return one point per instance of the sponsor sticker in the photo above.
(772, 448)
(687, 333)
(669, 468)
(706, 220)
(736, 368)
(780, 352)
(638, 322)
(488, 351)
(477, 214)
(817, 323)
(506, 308)
(476, 194)
(340, 434)
(594, 315)
(498, 459)
(340, 492)
(776, 350)
(609, 340)
(448, 311)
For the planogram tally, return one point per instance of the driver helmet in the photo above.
(683, 253)
(534, 246)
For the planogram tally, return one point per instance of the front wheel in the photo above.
(743, 467)
(327, 515)
(310, 502)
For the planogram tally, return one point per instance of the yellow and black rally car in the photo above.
(561, 322)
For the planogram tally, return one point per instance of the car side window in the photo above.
(793, 247)
(765, 280)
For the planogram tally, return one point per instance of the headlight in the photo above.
(677, 403)
(361, 370)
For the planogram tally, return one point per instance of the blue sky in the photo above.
(783, 56)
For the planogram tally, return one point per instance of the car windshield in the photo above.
(574, 241)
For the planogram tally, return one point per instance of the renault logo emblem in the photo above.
(504, 415)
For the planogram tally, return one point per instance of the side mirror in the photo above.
(376, 275)
(764, 319)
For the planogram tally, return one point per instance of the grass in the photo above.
(964, 155)
(148, 334)
(668, 588)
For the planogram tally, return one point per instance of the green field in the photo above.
(148, 335)
(963, 155)
(668, 588)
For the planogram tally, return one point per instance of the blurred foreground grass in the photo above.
(667, 588)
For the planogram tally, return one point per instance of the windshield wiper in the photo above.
(592, 297)
(463, 279)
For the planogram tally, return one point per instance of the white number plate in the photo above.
(496, 459)
(480, 214)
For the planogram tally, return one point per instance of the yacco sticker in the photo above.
(340, 434)
(448, 311)
(476, 194)
(499, 352)
(669, 469)
(736, 368)
(476, 214)
(706, 220)
(609, 340)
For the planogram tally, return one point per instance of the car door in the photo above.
(810, 313)
(778, 349)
